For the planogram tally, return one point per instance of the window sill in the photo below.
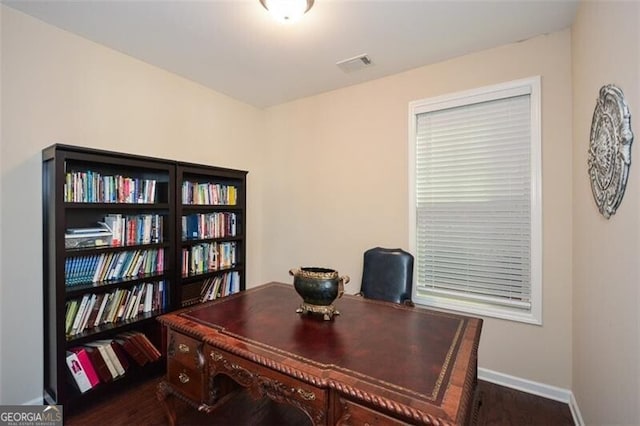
(479, 309)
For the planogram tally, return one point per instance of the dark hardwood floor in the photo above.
(138, 406)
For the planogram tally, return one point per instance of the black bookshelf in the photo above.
(78, 187)
(228, 274)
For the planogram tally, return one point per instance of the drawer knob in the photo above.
(309, 396)
(183, 377)
(183, 348)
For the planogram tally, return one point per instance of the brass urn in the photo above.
(318, 287)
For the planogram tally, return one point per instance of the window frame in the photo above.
(529, 86)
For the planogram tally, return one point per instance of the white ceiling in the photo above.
(236, 48)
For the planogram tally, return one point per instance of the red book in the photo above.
(99, 364)
(141, 341)
(155, 353)
(122, 357)
(87, 365)
(133, 350)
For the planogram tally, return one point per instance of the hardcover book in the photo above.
(121, 354)
(87, 365)
(111, 353)
(99, 364)
(77, 372)
(134, 351)
(102, 350)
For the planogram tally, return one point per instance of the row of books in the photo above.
(103, 361)
(92, 187)
(93, 310)
(207, 257)
(209, 225)
(220, 286)
(111, 266)
(135, 229)
(209, 194)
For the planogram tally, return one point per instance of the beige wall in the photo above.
(332, 182)
(606, 266)
(338, 185)
(61, 88)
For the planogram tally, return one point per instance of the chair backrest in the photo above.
(387, 275)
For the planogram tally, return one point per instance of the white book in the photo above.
(124, 305)
(138, 264)
(148, 298)
(87, 312)
(146, 234)
(130, 270)
(78, 318)
(132, 303)
(139, 300)
(114, 304)
(233, 224)
(215, 288)
(112, 354)
(119, 305)
(98, 320)
(122, 257)
(142, 296)
(161, 298)
(78, 373)
(106, 357)
(98, 271)
(152, 192)
(114, 223)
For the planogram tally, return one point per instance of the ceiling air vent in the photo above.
(354, 64)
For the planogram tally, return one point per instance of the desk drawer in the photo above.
(189, 381)
(352, 414)
(185, 350)
(261, 381)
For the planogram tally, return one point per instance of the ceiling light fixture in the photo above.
(287, 10)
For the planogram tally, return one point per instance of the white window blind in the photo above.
(474, 185)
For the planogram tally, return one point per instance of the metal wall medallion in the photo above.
(610, 149)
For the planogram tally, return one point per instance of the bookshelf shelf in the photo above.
(132, 275)
(109, 249)
(117, 206)
(119, 385)
(188, 208)
(195, 277)
(104, 286)
(195, 241)
(108, 329)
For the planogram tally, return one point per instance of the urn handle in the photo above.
(343, 280)
(293, 272)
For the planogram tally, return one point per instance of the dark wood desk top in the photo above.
(419, 359)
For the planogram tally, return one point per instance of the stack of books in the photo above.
(79, 238)
(106, 360)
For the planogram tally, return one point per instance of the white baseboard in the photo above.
(575, 411)
(534, 388)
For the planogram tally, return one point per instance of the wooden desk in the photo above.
(375, 363)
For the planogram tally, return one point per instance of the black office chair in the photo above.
(387, 275)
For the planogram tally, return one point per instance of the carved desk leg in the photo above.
(163, 393)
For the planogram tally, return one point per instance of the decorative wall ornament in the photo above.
(610, 149)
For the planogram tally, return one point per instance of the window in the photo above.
(475, 201)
